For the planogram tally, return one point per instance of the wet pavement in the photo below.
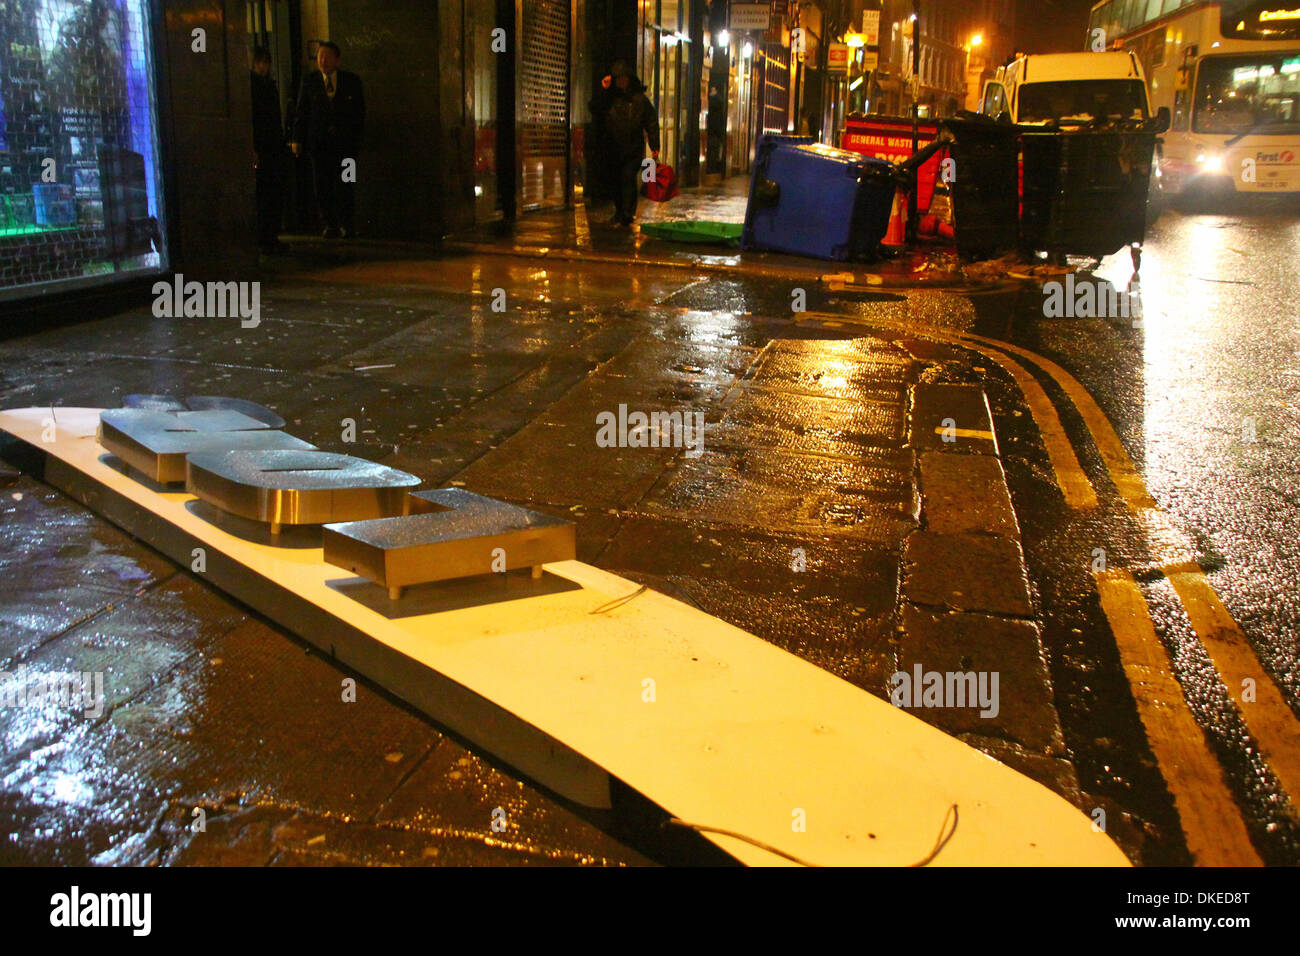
(793, 523)
(212, 715)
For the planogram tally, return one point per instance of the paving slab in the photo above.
(966, 572)
(970, 643)
(952, 418)
(966, 494)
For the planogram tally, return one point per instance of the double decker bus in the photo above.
(1229, 73)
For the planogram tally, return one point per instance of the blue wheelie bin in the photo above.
(812, 200)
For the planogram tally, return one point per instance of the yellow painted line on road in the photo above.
(1128, 481)
(1070, 476)
(1212, 823)
(1268, 717)
(964, 433)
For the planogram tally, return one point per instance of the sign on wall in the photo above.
(871, 27)
(750, 16)
(837, 58)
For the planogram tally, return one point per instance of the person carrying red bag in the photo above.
(630, 121)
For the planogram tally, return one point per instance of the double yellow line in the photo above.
(1212, 822)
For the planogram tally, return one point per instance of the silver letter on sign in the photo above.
(298, 487)
(233, 459)
(156, 442)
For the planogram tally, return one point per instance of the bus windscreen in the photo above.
(1248, 93)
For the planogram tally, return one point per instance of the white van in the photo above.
(1070, 89)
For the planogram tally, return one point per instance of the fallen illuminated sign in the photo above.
(551, 676)
(231, 459)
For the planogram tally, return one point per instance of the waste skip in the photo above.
(813, 200)
(1085, 190)
(985, 203)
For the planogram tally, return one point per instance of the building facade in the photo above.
(961, 43)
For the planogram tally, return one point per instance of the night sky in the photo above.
(1051, 26)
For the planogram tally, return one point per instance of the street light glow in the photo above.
(977, 39)
(724, 39)
(747, 51)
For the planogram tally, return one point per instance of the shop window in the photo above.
(79, 187)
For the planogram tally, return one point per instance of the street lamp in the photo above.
(973, 63)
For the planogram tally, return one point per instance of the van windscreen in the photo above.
(1082, 101)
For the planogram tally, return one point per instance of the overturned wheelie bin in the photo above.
(813, 200)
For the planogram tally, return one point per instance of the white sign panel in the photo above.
(750, 16)
(871, 26)
(837, 58)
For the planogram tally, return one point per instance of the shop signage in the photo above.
(871, 26)
(837, 58)
(750, 16)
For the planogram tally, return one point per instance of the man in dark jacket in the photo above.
(268, 152)
(330, 118)
(629, 120)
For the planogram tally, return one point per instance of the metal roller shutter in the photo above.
(776, 88)
(544, 103)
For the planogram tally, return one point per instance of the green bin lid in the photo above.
(691, 230)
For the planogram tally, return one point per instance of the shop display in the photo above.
(79, 173)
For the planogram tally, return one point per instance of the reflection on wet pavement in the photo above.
(223, 740)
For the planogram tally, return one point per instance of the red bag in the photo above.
(664, 186)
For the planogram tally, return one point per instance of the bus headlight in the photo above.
(1210, 164)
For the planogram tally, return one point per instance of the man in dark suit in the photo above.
(330, 118)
